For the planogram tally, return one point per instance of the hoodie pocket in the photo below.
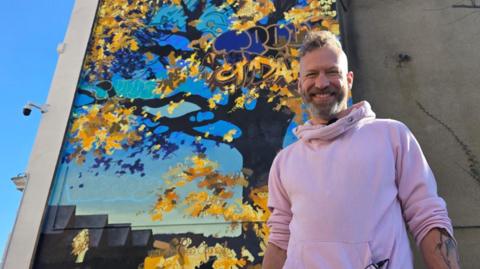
(334, 255)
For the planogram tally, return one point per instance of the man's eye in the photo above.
(333, 72)
(310, 75)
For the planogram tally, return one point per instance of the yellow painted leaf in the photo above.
(133, 45)
(157, 116)
(229, 135)
(149, 56)
(240, 102)
(173, 105)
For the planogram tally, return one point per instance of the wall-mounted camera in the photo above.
(20, 181)
(27, 109)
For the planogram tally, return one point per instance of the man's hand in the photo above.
(439, 250)
(274, 257)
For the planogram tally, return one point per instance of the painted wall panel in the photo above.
(179, 112)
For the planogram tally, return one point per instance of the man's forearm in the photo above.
(439, 250)
(274, 257)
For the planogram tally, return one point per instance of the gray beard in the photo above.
(325, 112)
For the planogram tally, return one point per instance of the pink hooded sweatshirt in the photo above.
(340, 196)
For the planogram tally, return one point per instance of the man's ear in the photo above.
(350, 79)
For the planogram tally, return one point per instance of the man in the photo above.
(343, 195)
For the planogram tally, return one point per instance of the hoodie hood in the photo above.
(354, 114)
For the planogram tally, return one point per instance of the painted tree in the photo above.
(232, 64)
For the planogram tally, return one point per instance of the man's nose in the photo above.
(322, 81)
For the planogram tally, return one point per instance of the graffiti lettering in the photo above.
(253, 73)
(242, 59)
(260, 39)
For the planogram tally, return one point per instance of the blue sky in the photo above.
(30, 33)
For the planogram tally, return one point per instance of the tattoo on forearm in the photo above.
(447, 249)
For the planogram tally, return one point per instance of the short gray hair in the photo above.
(318, 39)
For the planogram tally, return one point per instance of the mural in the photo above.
(181, 107)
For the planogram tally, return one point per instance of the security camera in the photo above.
(27, 109)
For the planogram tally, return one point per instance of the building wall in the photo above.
(179, 110)
(418, 62)
(413, 61)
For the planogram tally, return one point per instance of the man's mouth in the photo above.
(322, 94)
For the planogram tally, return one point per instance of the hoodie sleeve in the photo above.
(279, 206)
(422, 208)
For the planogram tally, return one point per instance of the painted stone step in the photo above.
(90, 221)
(95, 237)
(109, 244)
(58, 218)
(58, 243)
(142, 238)
(116, 235)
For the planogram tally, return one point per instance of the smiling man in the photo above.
(344, 194)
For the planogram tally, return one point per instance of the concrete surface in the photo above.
(20, 250)
(417, 61)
